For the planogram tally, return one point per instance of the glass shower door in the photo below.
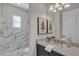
(14, 30)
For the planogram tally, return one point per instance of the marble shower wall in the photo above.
(13, 41)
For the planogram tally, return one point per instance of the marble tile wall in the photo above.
(13, 41)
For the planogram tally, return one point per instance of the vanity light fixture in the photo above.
(58, 6)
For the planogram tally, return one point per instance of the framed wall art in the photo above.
(41, 25)
(49, 26)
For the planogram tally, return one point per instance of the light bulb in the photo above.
(51, 8)
(60, 8)
(67, 5)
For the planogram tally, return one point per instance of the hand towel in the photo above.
(49, 47)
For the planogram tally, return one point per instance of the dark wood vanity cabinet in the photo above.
(42, 52)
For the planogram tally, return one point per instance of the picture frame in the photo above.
(49, 26)
(41, 25)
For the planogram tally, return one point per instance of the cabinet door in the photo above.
(41, 51)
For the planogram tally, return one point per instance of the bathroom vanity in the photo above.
(57, 49)
(42, 52)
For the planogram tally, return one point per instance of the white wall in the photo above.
(15, 40)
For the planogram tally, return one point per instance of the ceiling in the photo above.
(24, 6)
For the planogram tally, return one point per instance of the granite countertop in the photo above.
(64, 50)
